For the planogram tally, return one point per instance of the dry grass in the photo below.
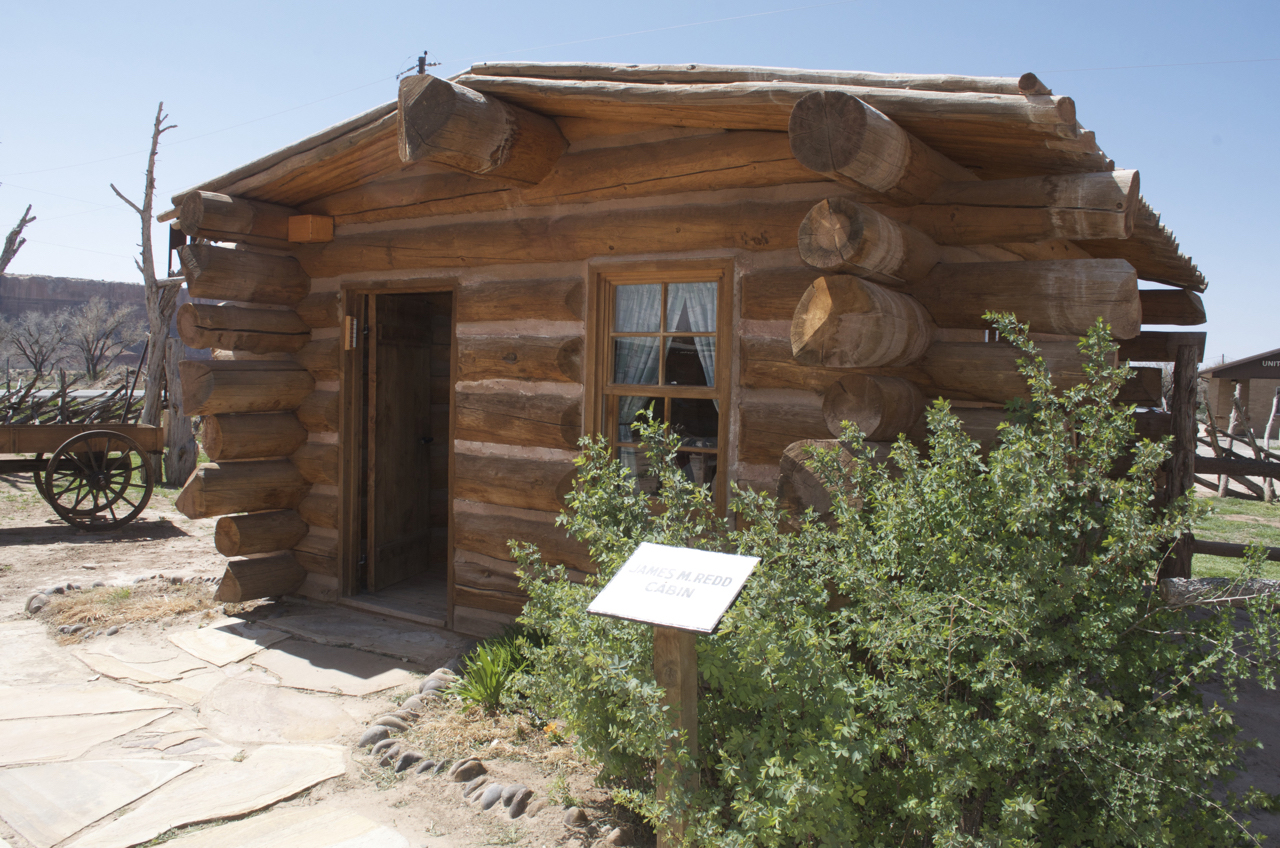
(448, 730)
(120, 605)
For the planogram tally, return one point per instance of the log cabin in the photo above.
(417, 314)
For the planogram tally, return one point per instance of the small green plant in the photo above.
(489, 671)
(559, 792)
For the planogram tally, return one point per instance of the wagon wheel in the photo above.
(38, 478)
(99, 480)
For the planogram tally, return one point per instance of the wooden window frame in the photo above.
(599, 383)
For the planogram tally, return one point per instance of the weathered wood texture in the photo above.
(257, 436)
(847, 322)
(485, 574)
(310, 229)
(259, 577)
(770, 421)
(1172, 306)
(213, 386)
(552, 359)
(318, 463)
(319, 510)
(202, 325)
(505, 300)
(258, 532)
(219, 217)
(219, 273)
(747, 225)
(322, 357)
(839, 136)
(880, 407)
(516, 413)
(486, 529)
(802, 487)
(319, 309)
(318, 554)
(771, 294)
(842, 236)
(320, 412)
(251, 486)
(460, 128)
(1064, 297)
(1159, 346)
(528, 483)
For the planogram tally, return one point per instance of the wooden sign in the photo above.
(681, 588)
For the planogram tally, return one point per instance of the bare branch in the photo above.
(120, 195)
(14, 241)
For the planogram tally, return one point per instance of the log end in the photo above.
(1029, 83)
(827, 130)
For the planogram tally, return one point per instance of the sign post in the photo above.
(682, 592)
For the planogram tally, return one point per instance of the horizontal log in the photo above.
(1172, 306)
(257, 436)
(1153, 424)
(535, 300)
(322, 357)
(202, 326)
(989, 371)
(317, 462)
(880, 407)
(842, 236)
(258, 532)
(480, 623)
(454, 126)
(249, 486)
(847, 322)
(745, 225)
(310, 229)
(497, 600)
(218, 217)
(1063, 297)
(556, 359)
(486, 530)
(483, 572)
(800, 485)
(841, 137)
(319, 412)
(259, 577)
(513, 413)
(771, 294)
(1237, 467)
(213, 386)
(318, 554)
(319, 510)
(219, 273)
(527, 483)
(770, 421)
(1030, 209)
(319, 309)
(1159, 346)
(1231, 549)
(1144, 388)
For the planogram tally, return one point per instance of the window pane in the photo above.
(691, 307)
(629, 408)
(635, 361)
(637, 309)
(696, 420)
(691, 361)
(698, 467)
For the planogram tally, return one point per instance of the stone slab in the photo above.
(42, 740)
(429, 647)
(343, 671)
(133, 649)
(152, 672)
(30, 656)
(221, 790)
(300, 827)
(73, 699)
(228, 642)
(241, 711)
(49, 803)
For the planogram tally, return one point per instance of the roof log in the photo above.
(220, 217)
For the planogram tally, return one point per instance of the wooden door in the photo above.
(401, 433)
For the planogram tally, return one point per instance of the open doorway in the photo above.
(403, 517)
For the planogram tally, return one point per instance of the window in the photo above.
(662, 339)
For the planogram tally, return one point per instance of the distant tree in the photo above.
(14, 241)
(99, 332)
(38, 338)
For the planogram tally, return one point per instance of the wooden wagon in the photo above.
(95, 476)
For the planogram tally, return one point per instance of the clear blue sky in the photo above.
(1171, 88)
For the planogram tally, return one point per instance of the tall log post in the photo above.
(846, 322)
(202, 326)
(1181, 477)
(1064, 296)
(208, 215)
(213, 386)
(219, 273)
(842, 236)
(225, 488)
(256, 436)
(459, 128)
(260, 577)
(258, 532)
(842, 138)
(880, 407)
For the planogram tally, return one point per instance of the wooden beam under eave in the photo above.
(475, 133)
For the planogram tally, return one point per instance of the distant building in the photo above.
(1259, 378)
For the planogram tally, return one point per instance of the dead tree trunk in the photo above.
(14, 241)
(181, 453)
(162, 295)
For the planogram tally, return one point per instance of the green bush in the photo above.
(489, 671)
(1001, 674)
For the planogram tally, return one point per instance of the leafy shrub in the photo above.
(969, 652)
(490, 669)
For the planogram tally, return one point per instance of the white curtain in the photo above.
(699, 300)
(637, 309)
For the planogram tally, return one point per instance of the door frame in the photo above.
(354, 415)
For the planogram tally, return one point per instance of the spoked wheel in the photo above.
(99, 480)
